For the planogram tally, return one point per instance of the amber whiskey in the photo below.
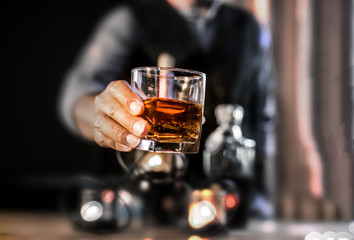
(172, 121)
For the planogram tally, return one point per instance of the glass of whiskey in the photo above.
(174, 105)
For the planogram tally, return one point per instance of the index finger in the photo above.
(121, 91)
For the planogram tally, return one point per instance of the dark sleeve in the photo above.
(99, 62)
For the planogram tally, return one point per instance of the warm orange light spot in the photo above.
(230, 201)
(194, 237)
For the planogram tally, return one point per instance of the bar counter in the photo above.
(16, 225)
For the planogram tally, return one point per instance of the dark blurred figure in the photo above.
(226, 43)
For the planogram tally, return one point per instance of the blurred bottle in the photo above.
(229, 155)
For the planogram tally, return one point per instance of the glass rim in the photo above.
(172, 69)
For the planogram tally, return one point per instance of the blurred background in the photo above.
(42, 40)
(314, 57)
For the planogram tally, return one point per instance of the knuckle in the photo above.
(113, 110)
(118, 135)
(99, 138)
(98, 99)
(114, 86)
(99, 120)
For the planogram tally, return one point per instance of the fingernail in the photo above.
(132, 140)
(138, 128)
(125, 148)
(135, 107)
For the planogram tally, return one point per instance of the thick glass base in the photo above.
(154, 146)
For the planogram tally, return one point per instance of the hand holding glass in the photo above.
(174, 105)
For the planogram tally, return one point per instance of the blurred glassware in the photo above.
(152, 166)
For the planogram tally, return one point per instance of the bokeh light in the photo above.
(91, 211)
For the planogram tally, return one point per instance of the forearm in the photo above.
(83, 114)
